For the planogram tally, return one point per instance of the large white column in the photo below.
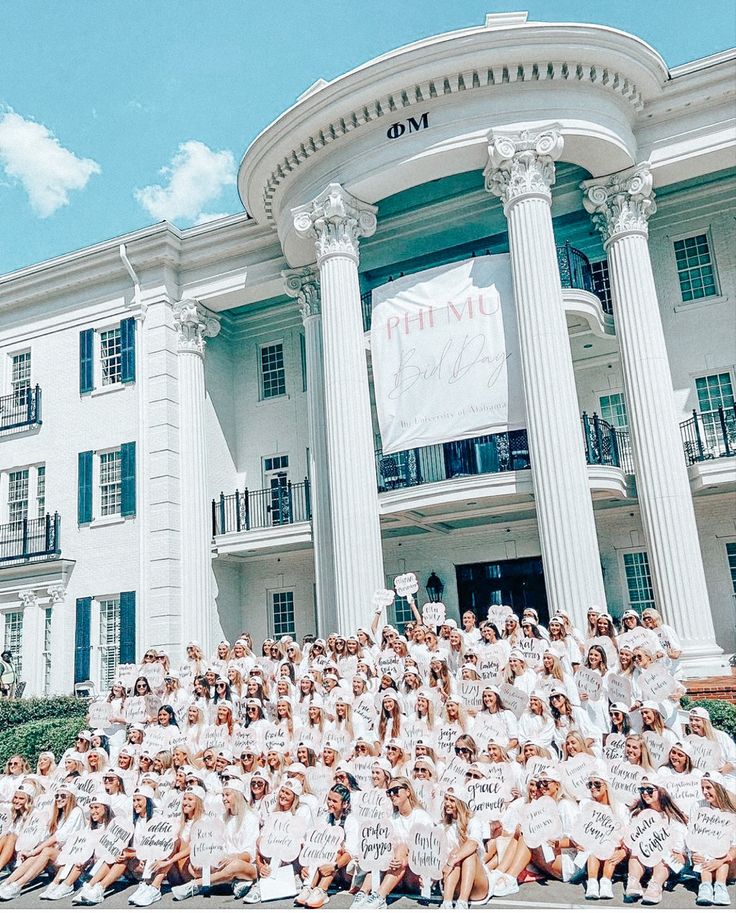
(303, 284)
(621, 205)
(59, 609)
(32, 642)
(336, 220)
(521, 172)
(194, 323)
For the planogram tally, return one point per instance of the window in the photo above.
(109, 640)
(731, 555)
(695, 267)
(303, 357)
(638, 581)
(17, 495)
(401, 611)
(14, 639)
(716, 391)
(47, 652)
(20, 377)
(282, 607)
(602, 284)
(110, 485)
(613, 410)
(111, 363)
(273, 375)
(41, 491)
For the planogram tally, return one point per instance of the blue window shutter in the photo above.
(84, 487)
(127, 350)
(81, 639)
(127, 479)
(127, 627)
(86, 360)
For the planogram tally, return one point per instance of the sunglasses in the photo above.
(361, 748)
(638, 656)
(543, 784)
(463, 751)
(647, 790)
(471, 776)
(394, 791)
(421, 770)
(594, 784)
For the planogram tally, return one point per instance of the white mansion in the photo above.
(188, 437)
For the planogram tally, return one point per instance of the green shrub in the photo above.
(14, 713)
(30, 739)
(722, 713)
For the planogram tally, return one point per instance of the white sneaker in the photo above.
(505, 885)
(48, 891)
(605, 889)
(139, 892)
(720, 895)
(302, 897)
(446, 905)
(182, 891)
(89, 895)
(151, 896)
(241, 888)
(461, 905)
(10, 890)
(359, 900)
(254, 895)
(373, 901)
(593, 891)
(63, 890)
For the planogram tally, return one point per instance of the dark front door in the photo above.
(518, 582)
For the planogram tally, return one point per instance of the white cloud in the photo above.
(32, 155)
(210, 217)
(196, 177)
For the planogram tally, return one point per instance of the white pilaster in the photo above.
(521, 172)
(194, 324)
(620, 205)
(57, 597)
(32, 673)
(336, 220)
(303, 285)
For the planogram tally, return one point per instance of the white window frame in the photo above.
(715, 298)
(47, 650)
(609, 393)
(99, 388)
(11, 356)
(32, 490)
(261, 387)
(637, 607)
(15, 645)
(97, 484)
(701, 375)
(272, 614)
(98, 647)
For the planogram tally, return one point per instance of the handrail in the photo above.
(245, 510)
(21, 408)
(709, 435)
(31, 538)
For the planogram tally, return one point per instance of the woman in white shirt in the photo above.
(66, 819)
(464, 877)
(21, 806)
(536, 723)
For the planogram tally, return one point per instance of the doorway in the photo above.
(518, 582)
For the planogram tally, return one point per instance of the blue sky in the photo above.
(116, 115)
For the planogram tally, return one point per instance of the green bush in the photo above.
(30, 739)
(14, 713)
(722, 713)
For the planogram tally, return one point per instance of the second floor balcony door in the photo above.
(276, 482)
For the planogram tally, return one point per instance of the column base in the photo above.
(702, 661)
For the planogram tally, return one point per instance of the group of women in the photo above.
(528, 752)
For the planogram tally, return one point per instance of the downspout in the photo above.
(142, 455)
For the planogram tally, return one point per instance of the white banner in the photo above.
(445, 353)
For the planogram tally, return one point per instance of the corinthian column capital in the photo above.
(522, 164)
(28, 598)
(336, 220)
(621, 203)
(303, 284)
(194, 323)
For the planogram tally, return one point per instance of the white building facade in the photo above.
(188, 436)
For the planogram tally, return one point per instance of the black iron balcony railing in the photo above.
(709, 435)
(21, 408)
(26, 539)
(276, 506)
(575, 272)
(492, 453)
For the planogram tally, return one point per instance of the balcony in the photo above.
(708, 440)
(493, 453)
(269, 519)
(21, 409)
(27, 540)
(575, 272)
